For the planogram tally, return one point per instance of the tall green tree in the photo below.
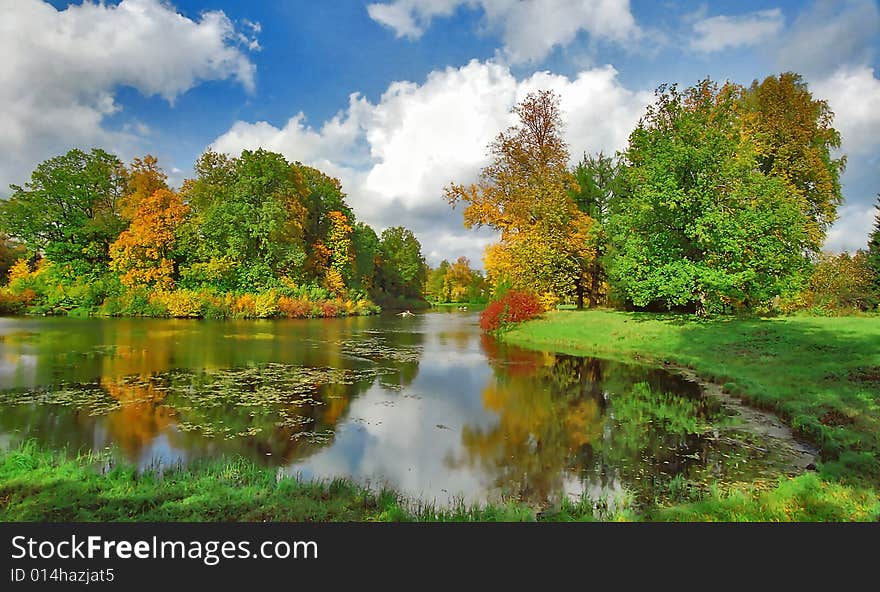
(599, 183)
(402, 268)
(248, 211)
(873, 261)
(702, 227)
(69, 211)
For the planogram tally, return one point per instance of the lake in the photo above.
(427, 405)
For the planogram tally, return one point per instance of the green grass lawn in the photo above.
(820, 374)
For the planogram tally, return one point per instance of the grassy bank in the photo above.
(821, 374)
(42, 485)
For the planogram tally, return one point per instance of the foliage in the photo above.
(701, 228)
(10, 253)
(840, 283)
(792, 137)
(69, 210)
(873, 257)
(525, 193)
(514, 307)
(142, 253)
(456, 282)
(401, 269)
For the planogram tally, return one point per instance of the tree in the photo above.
(247, 210)
(69, 210)
(10, 253)
(402, 268)
(436, 286)
(145, 178)
(461, 283)
(525, 193)
(702, 227)
(366, 255)
(599, 185)
(142, 253)
(341, 255)
(873, 256)
(792, 137)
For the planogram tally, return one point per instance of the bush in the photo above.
(513, 307)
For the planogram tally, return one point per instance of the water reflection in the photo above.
(425, 404)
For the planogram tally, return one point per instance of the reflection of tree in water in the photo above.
(565, 417)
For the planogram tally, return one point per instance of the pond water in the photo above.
(427, 405)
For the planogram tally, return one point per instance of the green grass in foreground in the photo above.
(821, 374)
(41, 485)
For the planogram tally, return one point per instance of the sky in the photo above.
(398, 98)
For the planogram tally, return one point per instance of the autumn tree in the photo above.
(10, 253)
(702, 227)
(341, 257)
(69, 210)
(461, 283)
(792, 136)
(525, 193)
(142, 253)
(145, 178)
(435, 285)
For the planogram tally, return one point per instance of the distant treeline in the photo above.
(248, 236)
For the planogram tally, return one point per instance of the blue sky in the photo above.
(399, 97)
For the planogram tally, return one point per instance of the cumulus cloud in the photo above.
(853, 93)
(395, 157)
(530, 29)
(827, 34)
(61, 69)
(723, 32)
(851, 230)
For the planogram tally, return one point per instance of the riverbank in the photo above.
(43, 485)
(820, 374)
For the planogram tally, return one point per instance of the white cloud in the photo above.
(829, 33)
(722, 32)
(395, 157)
(530, 29)
(853, 93)
(851, 230)
(61, 69)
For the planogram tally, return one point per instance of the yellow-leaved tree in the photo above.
(142, 253)
(525, 193)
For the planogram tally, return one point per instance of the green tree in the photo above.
(436, 286)
(701, 226)
(402, 269)
(873, 258)
(69, 210)
(366, 254)
(599, 186)
(247, 210)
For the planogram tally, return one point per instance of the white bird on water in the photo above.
(405, 313)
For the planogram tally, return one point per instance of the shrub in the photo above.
(266, 304)
(179, 303)
(294, 308)
(513, 307)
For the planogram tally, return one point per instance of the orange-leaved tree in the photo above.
(525, 193)
(142, 253)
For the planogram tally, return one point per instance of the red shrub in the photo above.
(329, 309)
(513, 307)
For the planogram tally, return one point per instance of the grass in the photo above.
(820, 374)
(43, 485)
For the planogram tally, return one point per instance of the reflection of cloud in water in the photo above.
(394, 439)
